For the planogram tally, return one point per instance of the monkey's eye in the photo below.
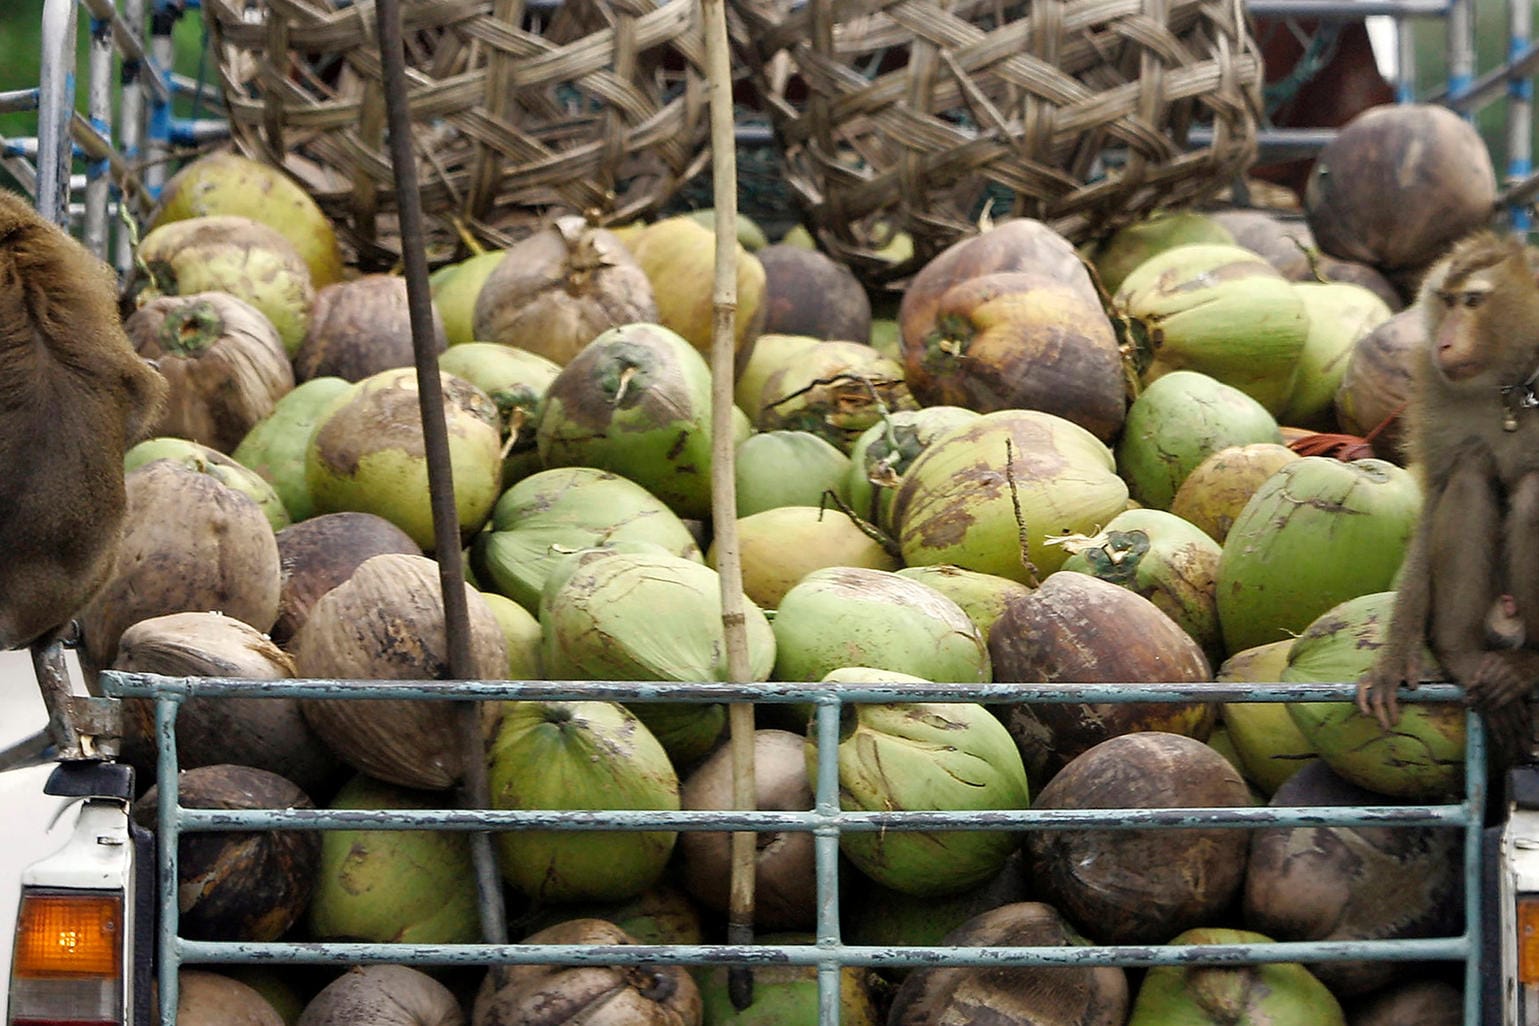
(1473, 299)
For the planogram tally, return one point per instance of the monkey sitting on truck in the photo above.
(73, 396)
(1469, 589)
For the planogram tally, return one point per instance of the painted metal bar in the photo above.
(131, 123)
(14, 100)
(1351, 10)
(472, 820)
(167, 835)
(1520, 105)
(99, 113)
(1461, 48)
(1475, 805)
(56, 106)
(120, 684)
(825, 792)
(1410, 950)
(1405, 62)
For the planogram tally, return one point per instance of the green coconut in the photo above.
(580, 755)
(1269, 994)
(885, 450)
(768, 354)
(523, 635)
(1316, 533)
(275, 446)
(229, 253)
(849, 616)
(635, 401)
(609, 614)
(1178, 422)
(835, 390)
(1168, 561)
(787, 468)
(780, 546)
(517, 380)
(1422, 757)
(1339, 313)
(980, 489)
(455, 292)
(367, 454)
(1128, 248)
(1269, 745)
(225, 469)
(784, 995)
(393, 886)
(228, 183)
(926, 756)
(541, 519)
(983, 597)
(1220, 310)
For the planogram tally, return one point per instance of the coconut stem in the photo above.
(191, 329)
(475, 792)
(723, 480)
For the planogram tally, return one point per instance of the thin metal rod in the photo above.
(435, 433)
(167, 834)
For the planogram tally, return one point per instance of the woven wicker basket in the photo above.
(519, 113)
(925, 116)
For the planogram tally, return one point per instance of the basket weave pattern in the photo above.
(518, 113)
(922, 116)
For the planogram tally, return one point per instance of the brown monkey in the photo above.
(1470, 584)
(73, 395)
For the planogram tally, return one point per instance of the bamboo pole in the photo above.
(723, 479)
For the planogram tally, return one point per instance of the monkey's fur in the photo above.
(1475, 436)
(73, 396)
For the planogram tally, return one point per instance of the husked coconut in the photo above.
(223, 362)
(561, 288)
(386, 622)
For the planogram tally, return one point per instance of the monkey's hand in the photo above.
(1376, 692)
(1502, 678)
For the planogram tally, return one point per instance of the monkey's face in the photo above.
(1482, 315)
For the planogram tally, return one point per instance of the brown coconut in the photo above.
(265, 733)
(560, 288)
(1078, 629)
(1019, 244)
(211, 999)
(1324, 883)
(785, 884)
(383, 995)
(189, 544)
(386, 622)
(222, 359)
(1285, 243)
(359, 328)
(1217, 489)
(318, 554)
(1398, 184)
(1146, 886)
(1377, 382)
(808, 293)
(1072, 996)
(239, 885)
(518, 995)
(1020, 340)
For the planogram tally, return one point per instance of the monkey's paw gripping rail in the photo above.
(825, 820)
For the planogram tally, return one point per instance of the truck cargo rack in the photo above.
(825, 820)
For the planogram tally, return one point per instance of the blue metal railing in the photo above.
(826, 821)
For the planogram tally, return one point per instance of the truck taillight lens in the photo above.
(1528, 938)
(67, 966)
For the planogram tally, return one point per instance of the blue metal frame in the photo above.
(825, 820)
